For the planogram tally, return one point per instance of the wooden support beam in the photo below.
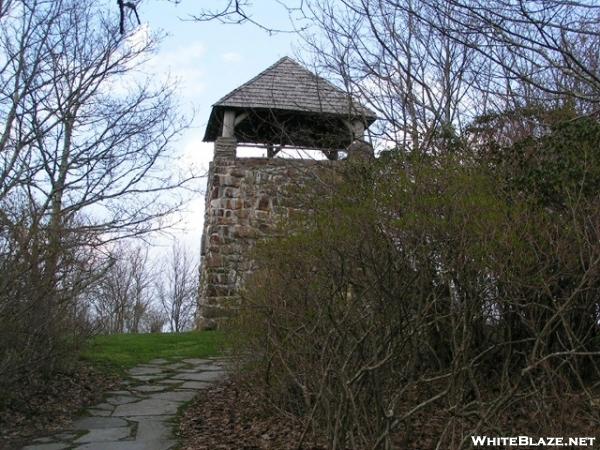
(228, 124)
(356, 128)
(239, 118)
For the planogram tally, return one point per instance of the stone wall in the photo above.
(245, 199)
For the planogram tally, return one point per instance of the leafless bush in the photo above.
(431, 299)
(154, 320)
(42, 318)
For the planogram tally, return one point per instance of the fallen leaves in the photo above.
(43, 405)
(227, 418)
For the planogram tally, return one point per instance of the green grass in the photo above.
(122, 351)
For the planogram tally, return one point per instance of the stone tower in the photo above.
(284, 107)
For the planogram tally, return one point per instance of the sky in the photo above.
(208, 59)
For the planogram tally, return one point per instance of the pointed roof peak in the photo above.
(288, 85)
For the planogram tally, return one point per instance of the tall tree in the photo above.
(85, 159)
(177, 288)
(121, 299)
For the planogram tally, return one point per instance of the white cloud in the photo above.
(196, 154)
(140, 38)
(188, 67)
(184, 66)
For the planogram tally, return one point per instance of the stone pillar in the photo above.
(225, 148)
(360, 149)
(246, 200)
(358, 129)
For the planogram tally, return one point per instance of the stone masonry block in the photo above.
(228, 180)
(225, 148)
(245, 197)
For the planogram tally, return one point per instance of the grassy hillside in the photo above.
(122, 351)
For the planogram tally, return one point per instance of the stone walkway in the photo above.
(141, 416)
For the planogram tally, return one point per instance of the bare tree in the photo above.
(154, 320)
(123, 295)
(417, 80)
(141, 283)
(84, 160)
(177, 288)
(539, 44)
(429, 68)
(236, 12)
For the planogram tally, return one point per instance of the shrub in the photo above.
(426, 300)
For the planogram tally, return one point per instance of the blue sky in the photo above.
(209, 59)
(214, 58)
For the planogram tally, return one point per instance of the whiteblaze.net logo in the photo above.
(528, 441)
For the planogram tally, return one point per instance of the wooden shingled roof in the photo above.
(288, 87)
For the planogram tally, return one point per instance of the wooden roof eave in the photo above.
(215, 121)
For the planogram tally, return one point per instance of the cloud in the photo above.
(195, 158)
(187, 65)
(196, 154)
(231, 57)
(183, 65)
(140, 38)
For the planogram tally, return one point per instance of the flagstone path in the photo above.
(141, 415)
